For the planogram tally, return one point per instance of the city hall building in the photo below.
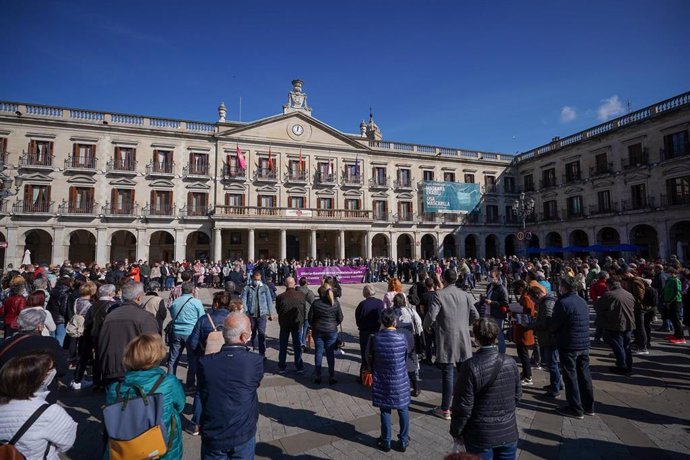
(97, 186)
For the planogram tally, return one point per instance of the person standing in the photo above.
(523, 335)
(291, 306)
(496, 301)
(672, 295)
(486, 398)
(309, 299)
(545, 304)
(596, 290)
(258, 305)
(616, 312)
(570, 324)
(450, 315)
(367, 317)
(185, 312)
(228, 383)
(324, 316)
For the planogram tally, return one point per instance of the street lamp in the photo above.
(523, 208)
(7, 186)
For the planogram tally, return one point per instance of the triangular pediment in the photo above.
(677, 169)
(353, 193)
(198, 186)
(292, 128)
(573, 190)
(602, 184)
(550, 194)
(162, 183)
(379, 195)
(81, 180)
(123, 182)
(36, 177)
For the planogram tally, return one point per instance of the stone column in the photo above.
(142, 245)
(341, 244)
(217, 244)
(180, 245)
(58, 255)
(13, 252)
(367, 244)
(394, 246)
(312, 244)
(250, 244)
(283, 244)
(101, 247)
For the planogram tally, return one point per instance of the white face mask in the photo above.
(47, 380)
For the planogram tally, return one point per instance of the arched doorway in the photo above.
(470, 247)
(428, 247)
(511, 245)
(449, 246)
(645, 236)
(198, 246)
(680, 240)
(533, 244)
(292, 246)
(552, 241)
(379, 246)
(579, 239)
(40, 244)
(404, 246)
(123, 245)
(161, 247)
(491, 244)
(608, 236)
(82, 247)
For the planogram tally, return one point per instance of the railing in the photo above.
(512, 190)
(194, 211)
(123, 210)
(571, 178)
(195, 171)
(265, 174)
(77, 163)
(72, 209)
(402, 184)
(529, 188)
(324, 178)
(596, 210)
(601, 169)
(382, 216)
(295, 176)
(379, 182)
(290, 213)
(232, 171)
(126, 166)
(637, 205)
(493, 220)
(429, 217)
(352, 179)
(443, 151)
(572, 214)
(472, 218)
(28, 160)
(675, 200)
(548, 183)
(30, 207)
(670, 155)
(635, 162)
(404, 217)
(156, 168)
(491, 188)
(167, 210)
(549, 217)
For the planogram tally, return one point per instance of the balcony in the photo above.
(121, 168)
(548, 183)
(403, 217)
(325, 178)
(601, 169)
(635, 161)
(124, 210)
(194, 212)
(451, 218)
(472, 218)
(490, 188)
(429, 218)
(165, 211)
(402, 184)
(511, 219)
(78, 210)
(196, 171)
(379, 182)
(493, 220)
(234, 173)
(3, 207)
(549, 217)
(82, 165)
(675, 200)
(157, 169)
(251, 212)
(529, 187)
(295, 177)
(31, 208)
(643, 204)
(37, 162)
(351, 180)
(382, 217)
(576, 214)
(266, 175)
(596, 210)
(510, 190)
(673, 154)
(572, 178)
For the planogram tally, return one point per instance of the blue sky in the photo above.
(501, 76)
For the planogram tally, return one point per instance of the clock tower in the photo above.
(297, 100)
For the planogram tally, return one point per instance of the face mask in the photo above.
(47, 380)
(255, 282)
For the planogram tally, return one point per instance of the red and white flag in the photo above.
(330, 167)
(301, 163)
(270, 160)
(241, 162)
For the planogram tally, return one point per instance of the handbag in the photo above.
(169, 327)
(340, 343)
(367, 378)
(8, 451)
(215, 340)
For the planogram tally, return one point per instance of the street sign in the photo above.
(520, 236)
(528, 236)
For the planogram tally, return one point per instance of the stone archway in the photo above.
(82, 247)
(449, 249)
(608, 236)
(40, 244)
(161, 247)
(579, 238)
(198, 246)
(428, 247)
(680, 240)
(645, 236)
(491, 246)
(404, 246)
(510, 245)
(379, 246)
(553, 239)
(471, 247)
(123, 245)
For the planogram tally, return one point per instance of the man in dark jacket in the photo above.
(58, 306)
(545, 303)
(486, 397)
(291, 308)
(309, 297)
(95, 317)
(367, 316)
(121, 326)
(570, 324)
(616, 314)
(228, 381)
(496, 302)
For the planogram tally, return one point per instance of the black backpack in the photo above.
(651, 298)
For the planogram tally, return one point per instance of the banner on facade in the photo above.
(450, 197)
(298, 212)
(346, 275)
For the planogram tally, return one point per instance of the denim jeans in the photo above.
(386, 426)
(242, 452)
(259, 328)
(447, 384)
(60, 334)
(620, 344)
(296, 347)
(504, 452)
(577, 380)
(501, 336)
(325, 342)
(303, 336)
(196, 409)
(551, 361)
(178, 343)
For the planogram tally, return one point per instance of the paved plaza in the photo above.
(646, 416)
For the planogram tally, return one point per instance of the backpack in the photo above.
(650, 299)
(75, 325)
(8, 451)
(134, 425)
(215, 340)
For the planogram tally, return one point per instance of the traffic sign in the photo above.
(528, 236)
(520, 236)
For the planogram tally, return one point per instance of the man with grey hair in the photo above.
(29, 339)
(228, 381)
(291, 308)
(121, 325)
(368, 318)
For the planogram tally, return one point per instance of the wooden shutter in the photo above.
(28, 193)
(131, 200)
(190, 200)
(118, 155)
(75, 151)
(50, 148)
(72, 197)
(90, 196)
(134, 157)
(3, 144)
(153, 193)
(32, 147)
(47, 196)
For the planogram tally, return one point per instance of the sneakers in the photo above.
(640, 352)
(75, 385)
(567, 411)
(80, 385)
(677, 341)
(525, 382)
(381, 444)
(196, 431)
(589, 413)
(440, 413)
(553, 395)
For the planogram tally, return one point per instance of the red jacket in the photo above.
(11, 308)
(597, 289)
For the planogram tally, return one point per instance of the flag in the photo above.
(357, 165)
(241, 162)
(301, 163)
(330, 167)
(270, 160)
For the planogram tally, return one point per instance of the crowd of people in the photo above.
(112, 323)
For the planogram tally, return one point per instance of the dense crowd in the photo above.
(64, 322)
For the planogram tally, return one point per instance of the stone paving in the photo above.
(646, 416)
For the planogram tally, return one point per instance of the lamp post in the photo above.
(523, 208)
(7, 185)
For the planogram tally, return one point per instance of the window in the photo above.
(266, 201)
(678, 190)
(353, 204)
(638, 196)
(198, 164)
(197, 203)
(636, 155)
(509, 184)
(428, 175)
(266, 167)
(572, 171)
(604, 201)
(352, 172)
(380, 210)
(491, 214)
(36, 198)
(325, 203)
(122, 201)
(528, 182)
(3, 145)
(548, 178)
(325, 171)
(469, 178)
(80, 200)
(405, 211)
(162, 161)
(676, 144)
(511, 218)
(296, 202)
(295, 169)
(550, 210)
(40, 153)
(234, 199)
(404, 178)
(380, 176)
(490, 184)
(448, 176)
(575, 206)
(601, 163)
(83, 156)
(161, 203)
(125, 159)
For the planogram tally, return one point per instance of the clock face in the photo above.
(297, 130)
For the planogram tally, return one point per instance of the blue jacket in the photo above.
(387, 357)
(197, 339)
(367, 314)
(174, 402)
(228, 381)
(249, 298)
(192, 310)
(570, 323)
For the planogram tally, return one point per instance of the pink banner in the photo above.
(345, 275)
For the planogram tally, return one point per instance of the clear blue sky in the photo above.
(494, 75)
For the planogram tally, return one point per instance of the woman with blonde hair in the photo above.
(394, 287)
(142, 358)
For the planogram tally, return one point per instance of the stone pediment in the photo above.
(288, 129)
(198, 186)
(267, 189)
(568, 191)
(123, 182)
(162, 183)
(357, 193)
(684, 167)
(636, 177)
(235, 187)
(298, 190)
(405, 196)
(36, 177)
(379, 195)
(550, 195)
(602, 184)
(88, 180)
(325, 192)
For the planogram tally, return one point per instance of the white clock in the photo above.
(297, 130)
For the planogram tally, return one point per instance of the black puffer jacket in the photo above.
(541, 327)
(59, 302)
(486, 420)
(324, 317)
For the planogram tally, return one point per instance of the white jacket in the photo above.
(54, 425)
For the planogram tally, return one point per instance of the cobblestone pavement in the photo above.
(646, 416)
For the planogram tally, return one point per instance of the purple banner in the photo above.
(345, 275)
